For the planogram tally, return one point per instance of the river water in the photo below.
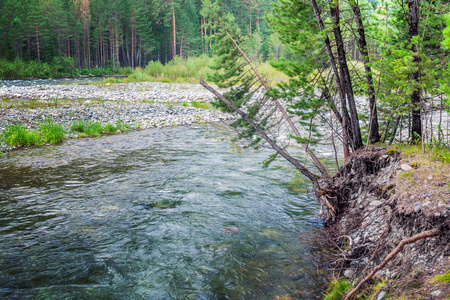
(50, 81)
(167, 213)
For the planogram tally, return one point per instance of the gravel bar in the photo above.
(141, 105)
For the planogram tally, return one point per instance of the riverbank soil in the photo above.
(381, 198)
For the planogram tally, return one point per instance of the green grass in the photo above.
(186, 70)
(87, 128)
(95, 129)
(51, 132)
(337, 289)
(110, 128)
(198, 104)
(19, 136)
(432, 152)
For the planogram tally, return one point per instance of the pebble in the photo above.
(349, 273)
(406, 167)
(375, 203)
(381, 295)
(126, 102)
(436, 293)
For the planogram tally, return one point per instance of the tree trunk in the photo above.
(174, 33)
(356, 132)
(37, 41)
(374, 135)
(416, 129)
(345, 115)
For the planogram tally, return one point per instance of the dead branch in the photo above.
(413, 239)
(281, 151)
(316, 161)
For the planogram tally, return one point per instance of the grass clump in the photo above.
(19, 136)
(337, 289)
(87, 128)
(198, 104)
(95, 129)
(51, 132)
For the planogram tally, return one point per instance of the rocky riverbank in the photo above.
(138, 105)
(387, 197)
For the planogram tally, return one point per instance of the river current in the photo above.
(167, 213)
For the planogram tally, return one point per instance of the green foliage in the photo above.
(95, 129)
(19, 136)
(59, 67)
(337, 289)
(51, 132)
(87, 128)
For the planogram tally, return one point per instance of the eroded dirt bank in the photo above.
(381, 199)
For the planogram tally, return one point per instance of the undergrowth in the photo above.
(51, 132)
(95, 129)
(337, 289)
(187, 70)
(433, 152)
(19, 136)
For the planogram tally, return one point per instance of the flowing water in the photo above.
(50, 81)
(156, 214)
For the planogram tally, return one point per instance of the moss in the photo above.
(415, 164)
(392, 152)
(442, 278)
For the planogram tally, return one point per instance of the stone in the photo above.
(376, 203)
(381, 295)
(406, 167)
(349, 273)
(436, 293)
(426, 203)
(417, 208)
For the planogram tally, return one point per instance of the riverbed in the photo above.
(166, 213)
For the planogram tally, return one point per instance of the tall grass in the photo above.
(189, 69)
(19, 136)
(95, 129)
(51, 132)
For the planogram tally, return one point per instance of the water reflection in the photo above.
(157, 217)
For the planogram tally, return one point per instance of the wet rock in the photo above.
(230, 230)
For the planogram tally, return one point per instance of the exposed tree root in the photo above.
(413, 239)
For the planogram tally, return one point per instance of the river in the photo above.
(167, 213)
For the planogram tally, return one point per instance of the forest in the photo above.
(113, 33)
(393, 52)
